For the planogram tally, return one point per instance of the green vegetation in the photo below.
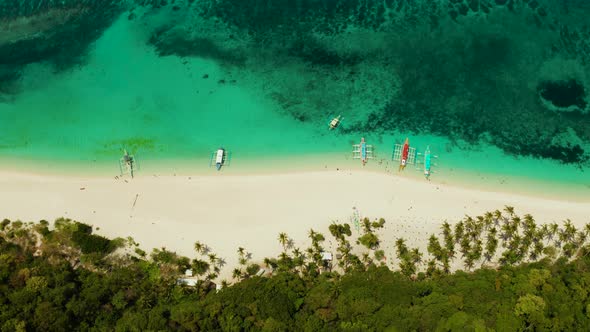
(520, 276)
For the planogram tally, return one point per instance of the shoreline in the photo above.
(297, 164)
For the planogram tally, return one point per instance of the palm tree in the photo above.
(434, 248)
(200, 267)
(448, 238)
(553, 228)
(200, 247)
(237, 274)
(459, 230)
(284, 240)
(416, 255)
(402, 249)
(497, 217)
(488, 219)
(335, 231)
(212, 258)
(220, 262)
(570, 230)
(537, 251)
(509, 210)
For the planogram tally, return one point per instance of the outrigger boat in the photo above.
(362, 151)
(404, 154)
(335, 122)
(128, 164)
(427, 162)
(220, 158)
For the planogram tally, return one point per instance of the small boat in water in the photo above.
(362, 151)
(335, 122)
(128, 164)
(404, 153)
(427, 162)
(219, 158)
(427, 169)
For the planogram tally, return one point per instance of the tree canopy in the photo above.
(67, 278)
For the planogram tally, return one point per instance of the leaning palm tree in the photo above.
(283, 240)
(509, 210)
(553, 228)
(311, 233)
(488, 219)
(237, 274)
(459, 231)
(448, 239)
(401, 248)
(434, 248)
(220, 262)
(200, 247)
(497, 217)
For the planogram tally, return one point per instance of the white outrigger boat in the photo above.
(362, 151)
(220, 158)
(427, 163)
(335, 122)
(128, 164)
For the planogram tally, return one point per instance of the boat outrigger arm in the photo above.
(335, 122)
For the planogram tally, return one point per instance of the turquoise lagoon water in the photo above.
(167, 108)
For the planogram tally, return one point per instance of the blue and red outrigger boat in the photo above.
(362, 151)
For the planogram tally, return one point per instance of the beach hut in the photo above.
(327, 260)
(187, 281)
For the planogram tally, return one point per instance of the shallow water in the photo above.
(179, 91)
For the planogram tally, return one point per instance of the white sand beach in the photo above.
(229, 211)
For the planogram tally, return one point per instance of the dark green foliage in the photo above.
(46, 292)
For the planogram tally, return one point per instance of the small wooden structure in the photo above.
(362, 151)
(128, 164)
(220, 158)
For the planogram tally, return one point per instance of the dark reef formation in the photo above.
(563, 94)
(470, 70)
(52, 31)
(467, 69)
